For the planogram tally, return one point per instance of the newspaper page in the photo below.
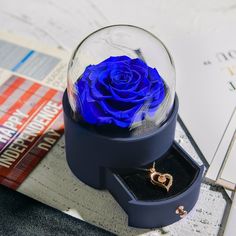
(32, 78)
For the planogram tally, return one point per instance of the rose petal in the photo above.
(116, 122)
(133, 98)
(90, 110)
(120, 114)
(117, 59)
(155, 77)
(99, 89)
(139, 66)
(158, 98)
(131, 92)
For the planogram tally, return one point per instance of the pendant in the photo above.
(163, 180)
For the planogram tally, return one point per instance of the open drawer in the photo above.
(148, 205)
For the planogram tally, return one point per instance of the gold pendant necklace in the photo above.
(163, 180)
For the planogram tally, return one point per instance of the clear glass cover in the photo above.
(121, 76)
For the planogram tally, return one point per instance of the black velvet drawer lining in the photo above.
(138, 181)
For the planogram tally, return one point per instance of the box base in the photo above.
(114, 162)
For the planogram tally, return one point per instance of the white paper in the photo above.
(206, 86)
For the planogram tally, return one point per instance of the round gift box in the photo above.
(89, 152)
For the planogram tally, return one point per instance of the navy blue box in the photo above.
(117, 163)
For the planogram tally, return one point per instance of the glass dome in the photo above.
(121, 76)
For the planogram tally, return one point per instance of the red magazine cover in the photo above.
(30, 124)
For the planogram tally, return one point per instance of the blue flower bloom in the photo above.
(119, 91)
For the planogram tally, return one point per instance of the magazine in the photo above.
(32, 79)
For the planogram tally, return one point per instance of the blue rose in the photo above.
(120, 91)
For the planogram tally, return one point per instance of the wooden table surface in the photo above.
(64, 23)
